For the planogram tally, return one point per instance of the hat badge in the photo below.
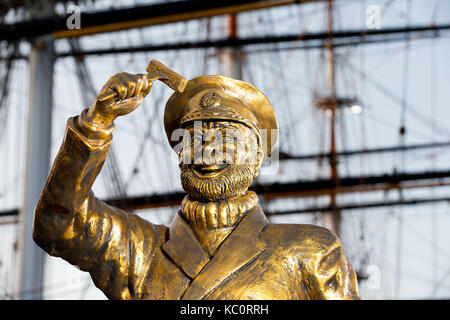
(211, 99)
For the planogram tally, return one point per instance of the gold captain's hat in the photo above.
(222, 98)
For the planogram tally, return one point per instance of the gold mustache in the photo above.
(207, 158)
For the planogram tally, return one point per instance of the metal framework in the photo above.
(356, 206)
(307, 40)
(340, 38)
(135, 17)
(41, 61)
(350, 153)
(294, 189)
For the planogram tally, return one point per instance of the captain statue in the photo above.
(219, 244)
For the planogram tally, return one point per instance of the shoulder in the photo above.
(301, 236)
(317, 253)
(142, 228)
(132, 228)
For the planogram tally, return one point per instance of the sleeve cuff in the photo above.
(93, 135)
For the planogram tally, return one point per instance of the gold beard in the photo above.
(232, 182)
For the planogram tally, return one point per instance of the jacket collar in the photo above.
(240, 247)
(184, 249)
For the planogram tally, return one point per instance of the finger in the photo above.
(131, 87)
(146, 89)
(139, 86)
(130, 81)
(127, 106)
(106, 94)
(121, 87)
(143, 81)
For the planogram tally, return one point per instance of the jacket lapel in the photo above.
(184, 249)
(241, 246)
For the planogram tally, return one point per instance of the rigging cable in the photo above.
(402, 134)
(434, 217)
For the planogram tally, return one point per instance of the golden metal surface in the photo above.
(220, 244)
(157, 71)
(218, 97)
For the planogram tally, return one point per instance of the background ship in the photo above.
(360, 89)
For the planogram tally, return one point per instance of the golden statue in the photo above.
(220, 244)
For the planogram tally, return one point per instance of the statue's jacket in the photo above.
(130, 258)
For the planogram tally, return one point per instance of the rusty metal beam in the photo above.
(305, 189)
(134, 17)
(339, 38)
(295, 189)
(366, 205)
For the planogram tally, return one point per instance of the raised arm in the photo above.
(71, 223)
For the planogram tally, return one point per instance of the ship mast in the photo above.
(332, 219)
(231, 57)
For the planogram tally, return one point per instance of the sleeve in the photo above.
(331, 276)
(115, 247)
